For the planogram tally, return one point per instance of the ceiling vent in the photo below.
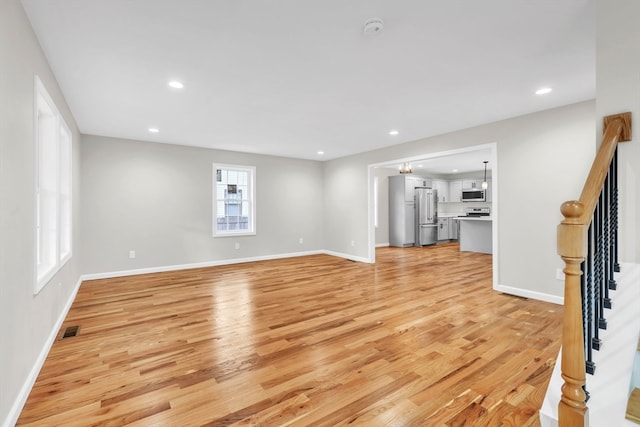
(372, 26)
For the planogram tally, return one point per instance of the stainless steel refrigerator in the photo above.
(426, 205)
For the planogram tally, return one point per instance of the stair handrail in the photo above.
(572, 248)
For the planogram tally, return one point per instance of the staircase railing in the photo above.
(587, 240)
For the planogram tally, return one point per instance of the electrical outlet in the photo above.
(301, 240)
(353, 243)
(132, 254)
(237, 245)
(559, 274)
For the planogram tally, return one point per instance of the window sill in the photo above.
(248, 233)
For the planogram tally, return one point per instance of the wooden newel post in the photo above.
(572, 247)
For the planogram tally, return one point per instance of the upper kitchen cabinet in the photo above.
(455, 190)
(468, 183)
(410, 183)
(442, 188)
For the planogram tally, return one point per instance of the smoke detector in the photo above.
(372, 26)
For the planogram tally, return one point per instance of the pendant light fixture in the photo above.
(405, 168)
(484, 181)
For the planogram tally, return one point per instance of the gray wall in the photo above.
(156, 199)
(532, 154)
(382, 231)
(542, 161)
(29, 320)
(618, 90)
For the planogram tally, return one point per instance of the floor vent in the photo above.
(71, 331)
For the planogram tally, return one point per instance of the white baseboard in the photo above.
(348, 256)
(160, 269)
(382, 245)
(21, 399)
(529, 294)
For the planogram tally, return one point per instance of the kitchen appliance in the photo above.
(426, 202)
(402, 209)
(477, 212)
(474, 195)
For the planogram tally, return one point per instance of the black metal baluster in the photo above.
(591, 330)
(613, 172)
(608, 249)
(605, 242)
(599, 263)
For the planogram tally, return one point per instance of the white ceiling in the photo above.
(291, 77)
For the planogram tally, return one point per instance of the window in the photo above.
(53, 188)
(234, 207)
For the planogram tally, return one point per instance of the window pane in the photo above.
(53, 216)
(65, 227)
(47, 233)
(64, 157)
(233, 199)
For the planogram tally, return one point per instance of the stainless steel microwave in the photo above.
(474, 195)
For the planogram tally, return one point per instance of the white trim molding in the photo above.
(21, 399)
(529, 294)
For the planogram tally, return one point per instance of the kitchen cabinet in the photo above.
(448, 228)
(442, 187)
(402, 208)
(443, 228)
(471, 183)
(455, 190)
(454, 226)
(476, 235)
(410, 183)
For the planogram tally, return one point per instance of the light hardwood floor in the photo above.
(418, 339)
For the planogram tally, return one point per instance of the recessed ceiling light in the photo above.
(320, 152)
(420, 166)
(393, 132)
(154, 130)
(543, 91)
(454, 170)
(176, 84)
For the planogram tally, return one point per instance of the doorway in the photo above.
(451, 164)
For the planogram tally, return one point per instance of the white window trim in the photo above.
(251, 198)
(375, 201)
(41, 279)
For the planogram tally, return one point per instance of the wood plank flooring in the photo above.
(418, 339)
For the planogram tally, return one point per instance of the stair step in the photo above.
(633, 406)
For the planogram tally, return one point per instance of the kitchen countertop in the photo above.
(449, 215)
(476, 218)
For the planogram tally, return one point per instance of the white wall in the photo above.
(156, 199)
(30, 321)
(618, 90)
(542, 161)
